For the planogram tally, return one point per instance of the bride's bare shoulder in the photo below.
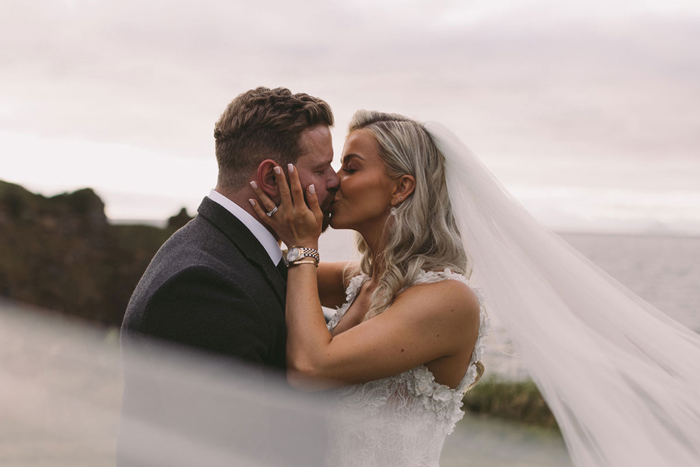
(451, 299)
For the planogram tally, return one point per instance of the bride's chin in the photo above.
(334, 223)
(337, 223)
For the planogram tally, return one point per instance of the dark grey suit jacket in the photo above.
(213, 287)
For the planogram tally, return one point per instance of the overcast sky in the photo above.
(588, 111)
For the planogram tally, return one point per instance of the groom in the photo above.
(218, 285)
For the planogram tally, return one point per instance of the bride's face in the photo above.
(363, 200)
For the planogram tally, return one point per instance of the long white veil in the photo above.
(621, 377)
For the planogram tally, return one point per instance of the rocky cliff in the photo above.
(61, 253)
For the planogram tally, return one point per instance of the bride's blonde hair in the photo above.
(422, 233)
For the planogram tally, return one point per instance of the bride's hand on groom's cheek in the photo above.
(296, 223)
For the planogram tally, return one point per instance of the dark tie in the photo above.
(282, 268)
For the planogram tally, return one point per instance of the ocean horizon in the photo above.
(663, 268)
(621, 229)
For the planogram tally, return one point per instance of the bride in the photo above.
(406, 341)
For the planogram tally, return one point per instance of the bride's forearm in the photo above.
(307, 334)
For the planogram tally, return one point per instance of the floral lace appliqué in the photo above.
(351, 292)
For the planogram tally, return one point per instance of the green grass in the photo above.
(519, 401)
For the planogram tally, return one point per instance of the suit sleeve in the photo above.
(200, 308)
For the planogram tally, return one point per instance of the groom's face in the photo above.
(314, 166)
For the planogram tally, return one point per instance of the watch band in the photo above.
(309, 252)
(297, 253)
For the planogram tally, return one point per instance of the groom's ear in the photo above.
(265, 178)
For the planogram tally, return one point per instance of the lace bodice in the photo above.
(401, 420)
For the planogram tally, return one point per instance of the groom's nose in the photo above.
(333, 182)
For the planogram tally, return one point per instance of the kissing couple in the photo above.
(406, 340)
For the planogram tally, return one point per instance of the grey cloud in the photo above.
(516, 82)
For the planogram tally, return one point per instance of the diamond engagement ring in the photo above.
(274, 210)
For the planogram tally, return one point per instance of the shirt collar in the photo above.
(266, 239)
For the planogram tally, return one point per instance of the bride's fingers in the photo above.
(312, 200)
(265, 200)
(297, 190)
(283, 187)
(262, 214)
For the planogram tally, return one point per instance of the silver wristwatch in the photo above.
(298, 253)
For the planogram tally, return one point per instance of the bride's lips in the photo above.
(333, 203)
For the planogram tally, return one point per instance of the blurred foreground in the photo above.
(62, 387)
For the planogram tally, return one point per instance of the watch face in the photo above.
(293, 254)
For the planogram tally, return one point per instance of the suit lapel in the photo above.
(246, 242)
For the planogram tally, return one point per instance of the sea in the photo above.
(662, 270)
(60, 398)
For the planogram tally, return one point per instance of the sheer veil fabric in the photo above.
(621, 377)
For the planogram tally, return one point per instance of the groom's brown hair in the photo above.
(264, 124)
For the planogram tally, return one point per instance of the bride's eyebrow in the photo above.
(350, 156)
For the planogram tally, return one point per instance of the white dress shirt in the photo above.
(266, 239)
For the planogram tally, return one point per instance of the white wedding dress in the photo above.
(402, 420)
